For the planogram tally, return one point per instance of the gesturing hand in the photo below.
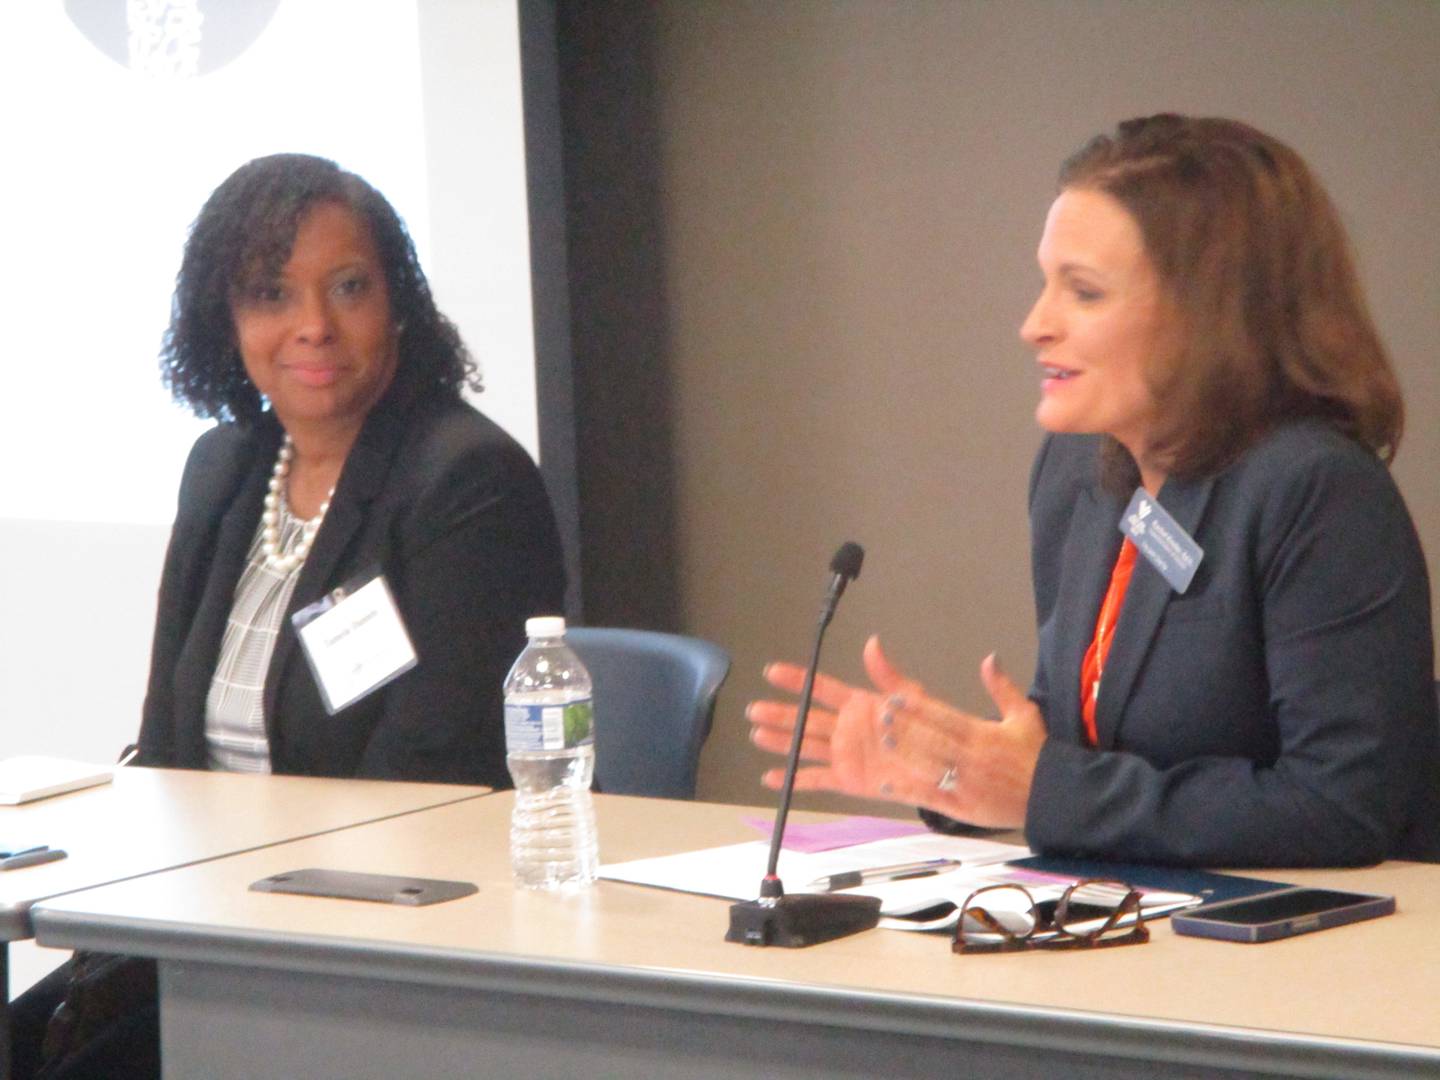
(899, 743)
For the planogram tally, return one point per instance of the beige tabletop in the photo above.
(155, 819)
(1377, 982)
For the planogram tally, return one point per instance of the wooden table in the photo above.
(635, 982)
(157, 819)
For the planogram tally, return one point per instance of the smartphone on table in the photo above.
(1285, 913)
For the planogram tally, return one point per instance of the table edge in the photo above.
(1027, 1026)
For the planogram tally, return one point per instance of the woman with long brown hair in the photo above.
(1235, 651)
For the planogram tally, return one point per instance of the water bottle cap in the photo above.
(545, 626)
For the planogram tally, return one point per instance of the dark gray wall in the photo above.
(625, 461)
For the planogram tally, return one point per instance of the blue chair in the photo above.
(654, 700)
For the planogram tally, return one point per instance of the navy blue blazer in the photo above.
(452, 511)
(1282, 711)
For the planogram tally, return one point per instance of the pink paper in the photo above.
(837, 834)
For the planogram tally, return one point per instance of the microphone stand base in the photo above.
(796, 920)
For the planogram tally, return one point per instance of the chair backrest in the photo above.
(654, 700)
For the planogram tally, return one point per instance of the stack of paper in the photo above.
(23, 779)
(930, 901)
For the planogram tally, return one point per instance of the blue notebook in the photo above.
(1212, 887)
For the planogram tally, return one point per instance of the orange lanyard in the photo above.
(1094, 665)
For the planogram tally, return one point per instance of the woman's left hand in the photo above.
(899, 743)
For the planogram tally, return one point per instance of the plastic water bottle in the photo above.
(550, 747)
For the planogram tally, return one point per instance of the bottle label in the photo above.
(549, 727)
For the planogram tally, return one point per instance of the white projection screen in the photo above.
(121, 117)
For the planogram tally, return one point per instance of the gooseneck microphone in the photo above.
(802, 919)
(844, 568)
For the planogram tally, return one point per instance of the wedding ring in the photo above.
(947, 780)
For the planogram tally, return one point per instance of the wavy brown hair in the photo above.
(1270, 320)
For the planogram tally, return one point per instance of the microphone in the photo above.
(844, 568)
(794, 921)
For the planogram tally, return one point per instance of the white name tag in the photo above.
(355, 643)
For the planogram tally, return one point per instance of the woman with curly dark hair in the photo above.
(345, 455)
(345, 472)
(244, 236)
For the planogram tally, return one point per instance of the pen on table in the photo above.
(15, 860)
(898, 872)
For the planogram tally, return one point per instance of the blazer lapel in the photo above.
(361, 480)
(238, 492)
(1145, 603)
(1089, 555)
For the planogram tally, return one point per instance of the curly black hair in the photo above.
(244, 234)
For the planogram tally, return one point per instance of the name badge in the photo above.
(355, 642)
(1166, 546)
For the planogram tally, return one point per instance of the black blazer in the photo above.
(451, 510)
(1282, 711)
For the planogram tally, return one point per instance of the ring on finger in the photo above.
(947, 779)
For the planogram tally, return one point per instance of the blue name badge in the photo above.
(1165, 545)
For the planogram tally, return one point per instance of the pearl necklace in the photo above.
(270, 518)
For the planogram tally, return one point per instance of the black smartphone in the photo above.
(378, 888)
(1282, 914)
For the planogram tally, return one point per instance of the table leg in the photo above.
(5, 1015)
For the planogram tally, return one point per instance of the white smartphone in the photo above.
(1282, 914)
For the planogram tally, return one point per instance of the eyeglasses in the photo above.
(1091, 914)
